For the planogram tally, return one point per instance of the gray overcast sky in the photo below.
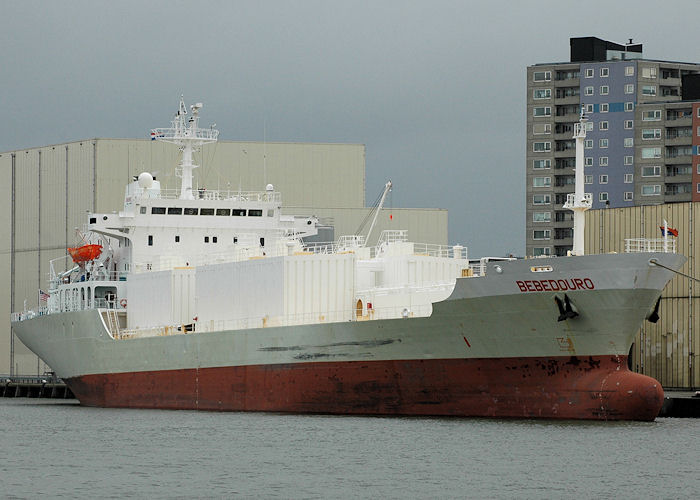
(434, 89)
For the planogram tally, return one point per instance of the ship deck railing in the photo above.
(206, 194)
(313, 318)
(638, 245)
(420, 249)
(68, 305)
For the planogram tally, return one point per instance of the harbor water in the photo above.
(58, 449)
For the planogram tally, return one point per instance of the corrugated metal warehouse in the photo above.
(667, 350)
(50, 189)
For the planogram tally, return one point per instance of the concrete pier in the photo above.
(34, 387)
(681, 404)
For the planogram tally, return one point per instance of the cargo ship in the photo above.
(215, 300)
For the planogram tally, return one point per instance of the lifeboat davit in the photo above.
(85, 253)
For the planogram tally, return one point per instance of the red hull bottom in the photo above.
(597, 387)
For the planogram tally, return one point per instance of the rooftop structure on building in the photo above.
(643, 137)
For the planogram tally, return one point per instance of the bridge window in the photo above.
(150, 240)
(239, 212)
(174, 211)
(206, 211)
(158, 210)
(254, 213)
(223, 211)
(191, 211)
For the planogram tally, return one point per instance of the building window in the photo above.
(541, 234)
(588, 161)
(214, 239)
(539, 182)
(602, 143)
(206, 239)
(603, 161)
(150, 240)
(629, 106)
(629, 178)
(542, 111)
(604, 90)
(588, 144)
(589, 126)
(542, 76)
(542, 93)
(629, 142)
(604, 72)
(651, 190)
(649, 90)
(629, 160)
(542, 199)
(589, 108)
(698, 127)
(603, 179)
(698, 188)
(629, 124)
(177, 239)
(649, 72)
(589, 73)
(603, 125)
(588, 179)
(629, 70)
(652, 171)
(651, 116)
(604, 107)
(541, 216)
(651, 152)
(603, 196)
(541, 128)
(538, 164)
(588, 91)
(629, 196)
(542, 147)
(537, 251)
(143, 210)
(651, 133)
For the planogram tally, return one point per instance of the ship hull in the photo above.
(495, 348)
(595, 387)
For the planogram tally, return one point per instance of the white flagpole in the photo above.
(665, 236)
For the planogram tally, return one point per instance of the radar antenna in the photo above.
(189, 137)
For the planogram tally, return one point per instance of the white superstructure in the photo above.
(174, 261)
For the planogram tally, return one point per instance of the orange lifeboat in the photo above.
(85, 253)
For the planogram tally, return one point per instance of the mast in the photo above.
(579, 201)
(189, 137)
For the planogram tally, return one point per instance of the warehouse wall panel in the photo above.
(667, 350)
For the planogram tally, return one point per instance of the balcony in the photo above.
(680, 173)
(678, 188)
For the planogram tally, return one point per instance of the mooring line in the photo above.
(656, 263)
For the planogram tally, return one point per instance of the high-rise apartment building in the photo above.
(643, 137)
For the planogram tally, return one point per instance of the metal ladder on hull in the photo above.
(112, 318)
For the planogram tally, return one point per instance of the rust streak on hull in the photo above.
(594, 387)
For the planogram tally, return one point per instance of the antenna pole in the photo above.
(186, 134)
(579, 201)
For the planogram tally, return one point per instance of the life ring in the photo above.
(122, 302)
